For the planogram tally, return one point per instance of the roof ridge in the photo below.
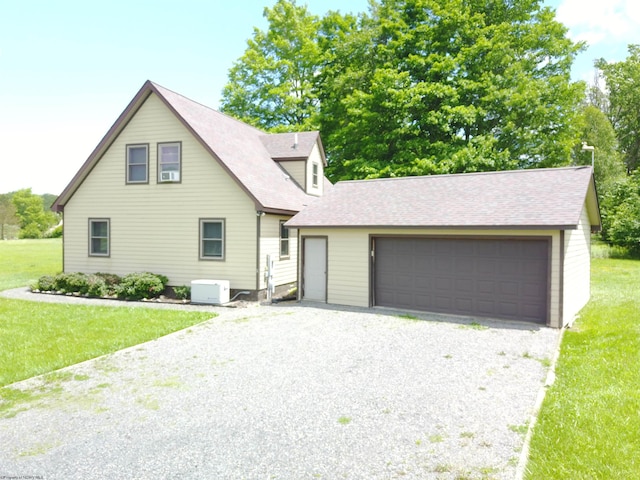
(218, 112)
(448, 175)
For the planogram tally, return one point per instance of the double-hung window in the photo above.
(169, 162)
(212, 239)
(284, 239)
(138, 163)
(99, 237)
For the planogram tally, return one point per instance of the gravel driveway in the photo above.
(289, 392)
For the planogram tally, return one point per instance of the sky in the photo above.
(68, 68)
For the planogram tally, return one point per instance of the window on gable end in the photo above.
(138, 163)
(169, 162)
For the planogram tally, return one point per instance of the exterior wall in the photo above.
(577, 268)
(297, 170)
(155, 227)
(285, 267)
(302, 171)
(316, 158)
(348, 270)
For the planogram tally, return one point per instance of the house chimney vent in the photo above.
(295, 141)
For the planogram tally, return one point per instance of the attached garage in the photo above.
(487, 277)
(511, 245)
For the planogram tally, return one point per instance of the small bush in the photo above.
(183, 292)
(71, 283)
(111, 280)
(97, 287)
(46, 283)
(55, 233)
(30, 230)
(137, 286)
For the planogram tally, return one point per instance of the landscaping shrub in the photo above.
(134, 286)
(183, 292)
(71, 283)
(137, 286)
(97, 286)
(111, 280)
(46, 283)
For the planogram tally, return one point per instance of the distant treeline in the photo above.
(24, 214)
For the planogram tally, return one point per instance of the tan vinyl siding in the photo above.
(348, 276)
(577, 268)
(155, 227)
(296, 169)
(286, 267)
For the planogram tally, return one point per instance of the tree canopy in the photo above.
(442, 86)
(623, 85)
(415, 86)
(29, 210)
(271, 85)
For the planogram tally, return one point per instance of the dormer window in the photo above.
(314, 175)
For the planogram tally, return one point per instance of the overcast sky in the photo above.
(68, 68)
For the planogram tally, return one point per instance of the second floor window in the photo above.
(137, 163)
(169, 162)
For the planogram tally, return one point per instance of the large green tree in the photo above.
(438, 86)
(271, 85)
(29, 208)
(620, 209)
(623, 85)
(596, 130)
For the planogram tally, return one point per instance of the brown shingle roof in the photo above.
(538, 198)
(237, 146)
(291, 146)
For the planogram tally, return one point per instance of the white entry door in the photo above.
(314, 272)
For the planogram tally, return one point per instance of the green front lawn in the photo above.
(22, 262)
(37, 338)
(589, 424)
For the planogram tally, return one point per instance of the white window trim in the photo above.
(201, 239)
(91, 237)
(137, 145)
(315, 174)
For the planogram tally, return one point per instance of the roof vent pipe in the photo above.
(295, 141)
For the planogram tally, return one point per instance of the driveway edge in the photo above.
(549, 381)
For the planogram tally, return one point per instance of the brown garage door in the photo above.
(500, 278)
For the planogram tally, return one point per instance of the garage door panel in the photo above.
(504, 278)
(443, 283)
(464, 265)
(464, 285)
(464, 304)
(486, 266)
(509, 288)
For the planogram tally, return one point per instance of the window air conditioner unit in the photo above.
(170, 176)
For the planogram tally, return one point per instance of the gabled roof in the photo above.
(238, 147)
(539, 198)
(292, 146)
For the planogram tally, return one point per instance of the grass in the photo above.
(37, 338)
(22, 262)
(588, 425)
